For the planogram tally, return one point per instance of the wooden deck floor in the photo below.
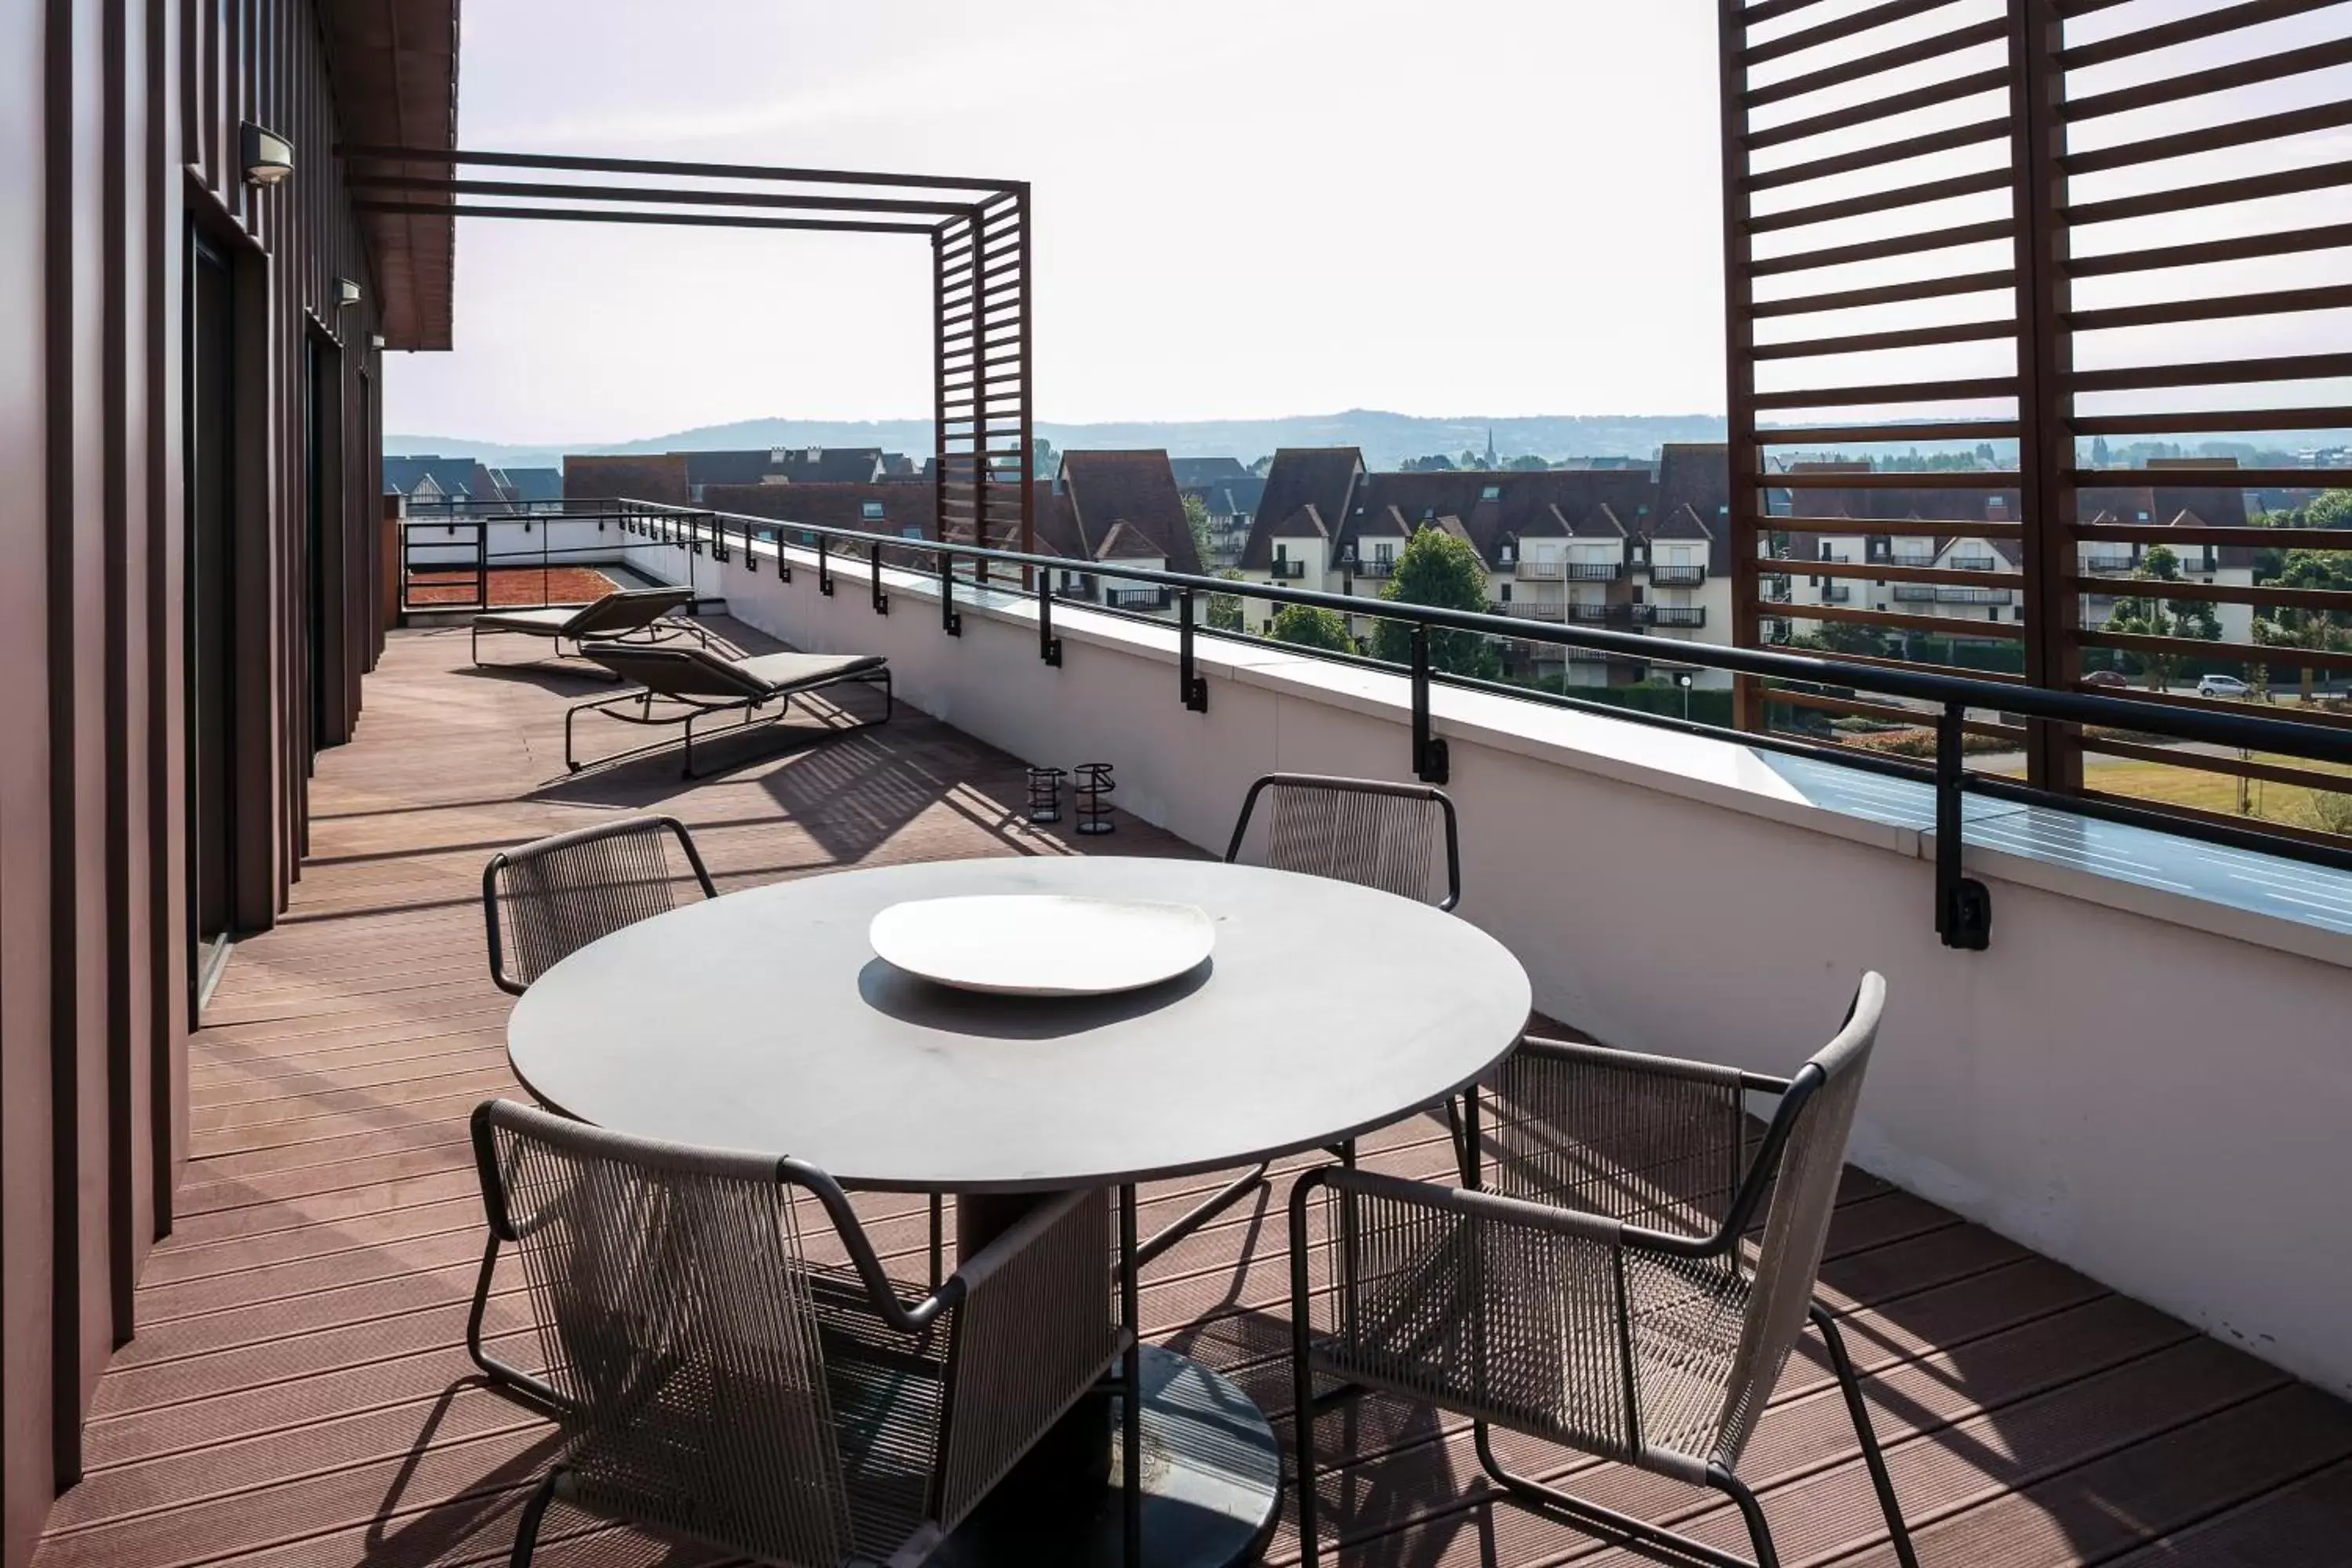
(297, 1395)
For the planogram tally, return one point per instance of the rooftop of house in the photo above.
(1134, 487)
(651, 479)
(1491, 509)
(404, 475)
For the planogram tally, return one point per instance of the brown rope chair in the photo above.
(543, 901)
(1366, 831)
(1598, 1295)
(714, 1379)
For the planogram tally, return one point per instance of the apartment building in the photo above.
(1909, 546)
(1642, 547)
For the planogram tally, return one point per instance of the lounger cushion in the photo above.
(629, 610)
(691, 671)
(780, 671)
(623, 610)
(538, 623)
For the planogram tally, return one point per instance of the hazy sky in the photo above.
(1283, 207)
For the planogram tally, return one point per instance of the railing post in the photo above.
(1195, 687)
(1049, 647)
(824, 569)
(1429, 755)
(951, 622)
(783, 562)
(1963, 904)
(873, 564)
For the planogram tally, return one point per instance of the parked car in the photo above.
(2220, 686)
(2107, 678)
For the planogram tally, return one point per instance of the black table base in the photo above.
(1212, 1485)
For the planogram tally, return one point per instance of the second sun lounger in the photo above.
(684, 685)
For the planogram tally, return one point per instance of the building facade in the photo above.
(192, 314)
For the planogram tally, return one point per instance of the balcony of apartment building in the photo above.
(1678, 576)
(1373, 565)
(1136, 598)
(1681, 617)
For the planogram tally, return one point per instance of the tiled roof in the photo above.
(1199, 473)
(902, 506)
(1125, 541)
(1320, 477)
(1601, 522)
(1683, 523)
(1136, 488)
(1306, 522)
(653, 478)
(450, 476)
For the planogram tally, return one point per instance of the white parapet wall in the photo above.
(2139, 1081)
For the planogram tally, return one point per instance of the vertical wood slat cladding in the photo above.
(128, 113)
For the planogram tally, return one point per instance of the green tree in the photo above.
(1528, 464)
(2153, 617)
(2312, 631)
(1310, 625)
(1043, 461)
(1844, 637)
(1435, 463)
(1436, 568)
(2330, 509)
(1225, 609)
(1467, 461)
(1196, 518)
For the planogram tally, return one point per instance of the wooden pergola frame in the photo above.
(980, 308)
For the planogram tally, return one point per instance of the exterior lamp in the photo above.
(268, 157)
(1684, 680)
(375, 340)
(347, 293)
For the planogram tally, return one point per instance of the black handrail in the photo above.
(1963, 906)
(2243, 731)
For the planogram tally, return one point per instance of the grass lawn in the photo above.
(2214, 791)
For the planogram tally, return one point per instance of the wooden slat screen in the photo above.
(2104, 243)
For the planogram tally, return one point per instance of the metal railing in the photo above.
(1283, 567)
(1539, 571)
(1377, 566)
(1963, 907)
(1670, 614)
(1677, 576)
(447, 556)
(1136, 598)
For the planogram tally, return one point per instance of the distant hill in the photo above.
(1387, 439)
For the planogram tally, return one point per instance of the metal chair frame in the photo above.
(878, 1293)
(1242, 1186)
(654, 709)
(670, 626)
(504, 859)
(1624, 1242)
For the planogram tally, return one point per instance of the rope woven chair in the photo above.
(714, 1380)
(544, 900)
(1598, 1295)
(1366, 831)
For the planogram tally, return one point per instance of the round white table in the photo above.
(762, 1020)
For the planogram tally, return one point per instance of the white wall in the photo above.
(2154, 1103)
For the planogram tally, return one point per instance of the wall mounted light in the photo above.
(347, 293)
(268, 157)
(375, 340)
